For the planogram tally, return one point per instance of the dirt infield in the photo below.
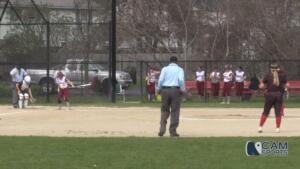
(139, 122)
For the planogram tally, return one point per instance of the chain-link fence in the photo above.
(139, 70)
(92, 79)
(43, 38)
(71, 46)
(76, 40)
(258, 67)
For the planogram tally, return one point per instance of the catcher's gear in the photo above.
(21, 96)
(23, 100)
(27, 79)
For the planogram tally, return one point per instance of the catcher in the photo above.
(274, 84)
(63, 89)
(24, 92)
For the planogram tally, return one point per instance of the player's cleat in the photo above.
(228, 102)
(277, 130)
(260, 129)
(222, 103)
(174, 135)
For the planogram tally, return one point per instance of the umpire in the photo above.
(171, 86)
(17, 75)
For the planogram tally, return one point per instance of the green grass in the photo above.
(132, 101)
(139, 153)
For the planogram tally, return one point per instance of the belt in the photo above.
(170, 87)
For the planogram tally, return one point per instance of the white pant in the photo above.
(23, 100)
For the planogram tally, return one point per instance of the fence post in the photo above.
(48, 61)
(205, 82)
(141, 81)
(113, 50)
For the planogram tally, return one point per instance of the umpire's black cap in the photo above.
(173, 59)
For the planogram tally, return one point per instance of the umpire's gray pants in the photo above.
(171, 99)
(15, 97)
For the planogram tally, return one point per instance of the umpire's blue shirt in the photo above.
(171, 76)
(17, 75)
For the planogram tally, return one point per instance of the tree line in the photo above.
(194, 29)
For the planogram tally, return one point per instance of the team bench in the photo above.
(293, 87)
(192, 88)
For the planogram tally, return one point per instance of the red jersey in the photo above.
(268, 81)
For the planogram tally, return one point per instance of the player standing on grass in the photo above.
(274, 83)
(200, 82)
(63, 89)
(171, 85)
(227, 79)
(152, 79)
(215, 78)
(239, 82)
(24, 92)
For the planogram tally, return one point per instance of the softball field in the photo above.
(139, 122)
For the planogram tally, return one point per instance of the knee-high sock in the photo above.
(20, 103)
(25, 103)
(26, 100)
(282, 110)
(263, 119)
(278, 121)
(21, 99)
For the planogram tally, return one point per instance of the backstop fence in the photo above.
(92, 78)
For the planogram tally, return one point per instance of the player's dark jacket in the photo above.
(268, 81)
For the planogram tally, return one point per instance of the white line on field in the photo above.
(206, 119)
(199, 119)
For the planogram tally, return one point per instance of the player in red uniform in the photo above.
(227, 79)
(63, 88)
(152, 79)
(215, 78)
(200, 82)
(274, 84)
(240, 77)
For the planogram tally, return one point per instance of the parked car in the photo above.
(74, 69)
